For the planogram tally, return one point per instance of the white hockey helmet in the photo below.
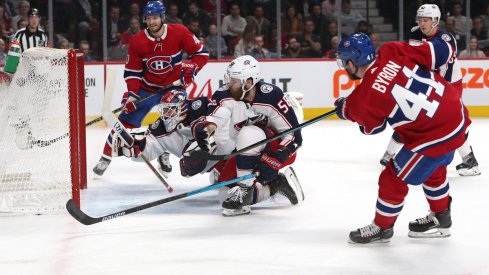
(431, 11)
(243, 68)
(173, 108)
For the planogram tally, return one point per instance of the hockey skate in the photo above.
(469, 165)
(386, 158)
(239, 201)
(101, 166)
(288, 185)
(371, 234)
(433, 225)
(164, 164)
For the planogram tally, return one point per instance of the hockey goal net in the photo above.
(42, 132)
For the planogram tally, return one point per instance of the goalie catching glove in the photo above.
(132, 151)
(270, 163)
(128, 102)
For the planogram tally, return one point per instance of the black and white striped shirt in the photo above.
(29, 39)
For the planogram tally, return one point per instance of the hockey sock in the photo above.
(465, 149)
(394, 145)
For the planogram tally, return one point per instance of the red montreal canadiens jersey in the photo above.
(421, 106)
(153, 63)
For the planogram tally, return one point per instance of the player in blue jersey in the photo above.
(243, 99)
(428, 17)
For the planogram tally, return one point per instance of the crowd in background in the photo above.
(309, 28)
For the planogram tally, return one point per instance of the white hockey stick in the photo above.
(118, 127)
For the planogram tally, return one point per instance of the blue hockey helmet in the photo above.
(154, 8)
(356, 47)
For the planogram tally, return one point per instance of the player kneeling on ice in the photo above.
(170, 133)
(420, 106)
(250, 110)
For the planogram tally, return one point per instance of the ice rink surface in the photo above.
(338, 168)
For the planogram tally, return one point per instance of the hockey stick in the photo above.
(85, 219)
(203, 155)
(118, 127)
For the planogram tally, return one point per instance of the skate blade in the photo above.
(373, 243)
(289, 173)
(474, 171)
(236, 212)
(432, 233)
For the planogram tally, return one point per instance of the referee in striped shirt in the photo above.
(32, 36)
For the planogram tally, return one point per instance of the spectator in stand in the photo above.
(21, 24)
(329, 7)
(450, 27)
(478, 29)
(6, 31)
(233, 25)
(211, 42)
(462, 23)
(135, 12)
(326, 38)
(292, 22)
(194, 27)
(210, 6)
(364, 27)
(63, 43)
(23, 7)
(3, 54)
(259, 51)
(334, 48)
(273, 42)
(134, 27)
(485, 17)
(85, 48)
(8, 8)
(115, 27)
(246, 42)
(474, 50)
(172, 14)
(194, 12)
(349, 18)
(310, 43)
(87, 26)
(263, 25)
(320, 21)
(293, 49)
(375, 41)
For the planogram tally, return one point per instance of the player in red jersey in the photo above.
(428, 16)
(155, 65)
(398, 89)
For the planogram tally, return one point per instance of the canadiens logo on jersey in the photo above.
(159, 65)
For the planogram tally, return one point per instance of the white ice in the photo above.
(338, 168)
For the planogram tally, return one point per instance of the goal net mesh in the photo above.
(34, 134)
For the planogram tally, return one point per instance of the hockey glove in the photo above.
(128, 102)
(189, 70)
(340, 108)
(270, 163)
(130, 151)
(202, 134)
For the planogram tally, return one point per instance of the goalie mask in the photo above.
(242, 69)
(173, 108)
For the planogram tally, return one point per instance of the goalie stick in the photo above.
(85, 219)
(118, 127)
(203, 155)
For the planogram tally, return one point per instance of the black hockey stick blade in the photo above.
(203, 155)
(85, 219)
